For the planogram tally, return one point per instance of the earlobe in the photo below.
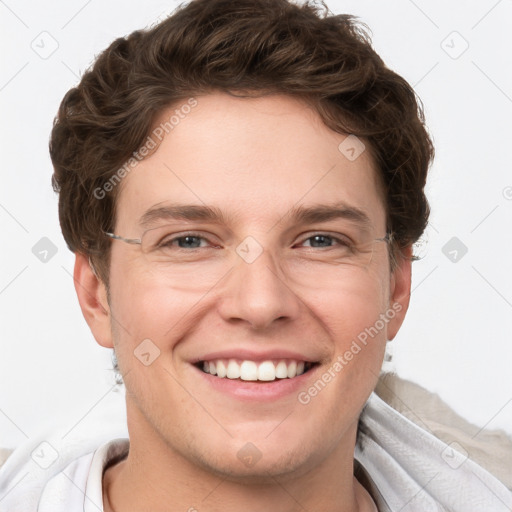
(400, 291)
(92, 296)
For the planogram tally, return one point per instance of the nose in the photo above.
(258, 293)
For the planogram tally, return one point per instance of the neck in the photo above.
(157, 477)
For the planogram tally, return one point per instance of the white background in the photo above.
(457, 337)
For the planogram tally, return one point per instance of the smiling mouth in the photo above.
(264, 371)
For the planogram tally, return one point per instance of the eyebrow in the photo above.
(298, 215)
(324, 213)
(191, 212)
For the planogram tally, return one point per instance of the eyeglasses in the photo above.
(192, 256)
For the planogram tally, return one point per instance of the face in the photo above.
(259, 284)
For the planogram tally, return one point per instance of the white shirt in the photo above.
(405, 469)
(79, 486)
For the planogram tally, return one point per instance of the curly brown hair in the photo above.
(252, 47)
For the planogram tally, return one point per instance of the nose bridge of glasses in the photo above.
(255, 254)
(259, 267)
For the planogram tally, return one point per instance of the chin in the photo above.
(260, 462)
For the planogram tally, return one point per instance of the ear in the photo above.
(400, 291)
(92, 296)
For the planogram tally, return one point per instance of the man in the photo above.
(242, 185)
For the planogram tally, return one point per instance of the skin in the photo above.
(254, 159)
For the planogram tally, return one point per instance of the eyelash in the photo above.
(342, 242)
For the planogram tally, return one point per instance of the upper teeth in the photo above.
(251, 370)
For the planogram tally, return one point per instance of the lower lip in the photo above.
(258, 390)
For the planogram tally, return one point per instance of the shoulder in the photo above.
(51, 472)
(413, 452)
(29, 469)
(491, 449)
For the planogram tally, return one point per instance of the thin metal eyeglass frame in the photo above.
(138, 241)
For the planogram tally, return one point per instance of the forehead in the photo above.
(255, 159)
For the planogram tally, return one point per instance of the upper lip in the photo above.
(253, 355)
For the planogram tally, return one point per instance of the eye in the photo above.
(321, 239)
(185, 241)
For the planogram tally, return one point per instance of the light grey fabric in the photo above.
(415, 471)
(492, 449)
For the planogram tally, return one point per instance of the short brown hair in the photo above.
(249, 46)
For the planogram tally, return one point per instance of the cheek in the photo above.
(142, 309)
(355, 318)
(350, 308)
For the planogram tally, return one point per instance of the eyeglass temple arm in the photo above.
(127, 240)
(388, 238)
